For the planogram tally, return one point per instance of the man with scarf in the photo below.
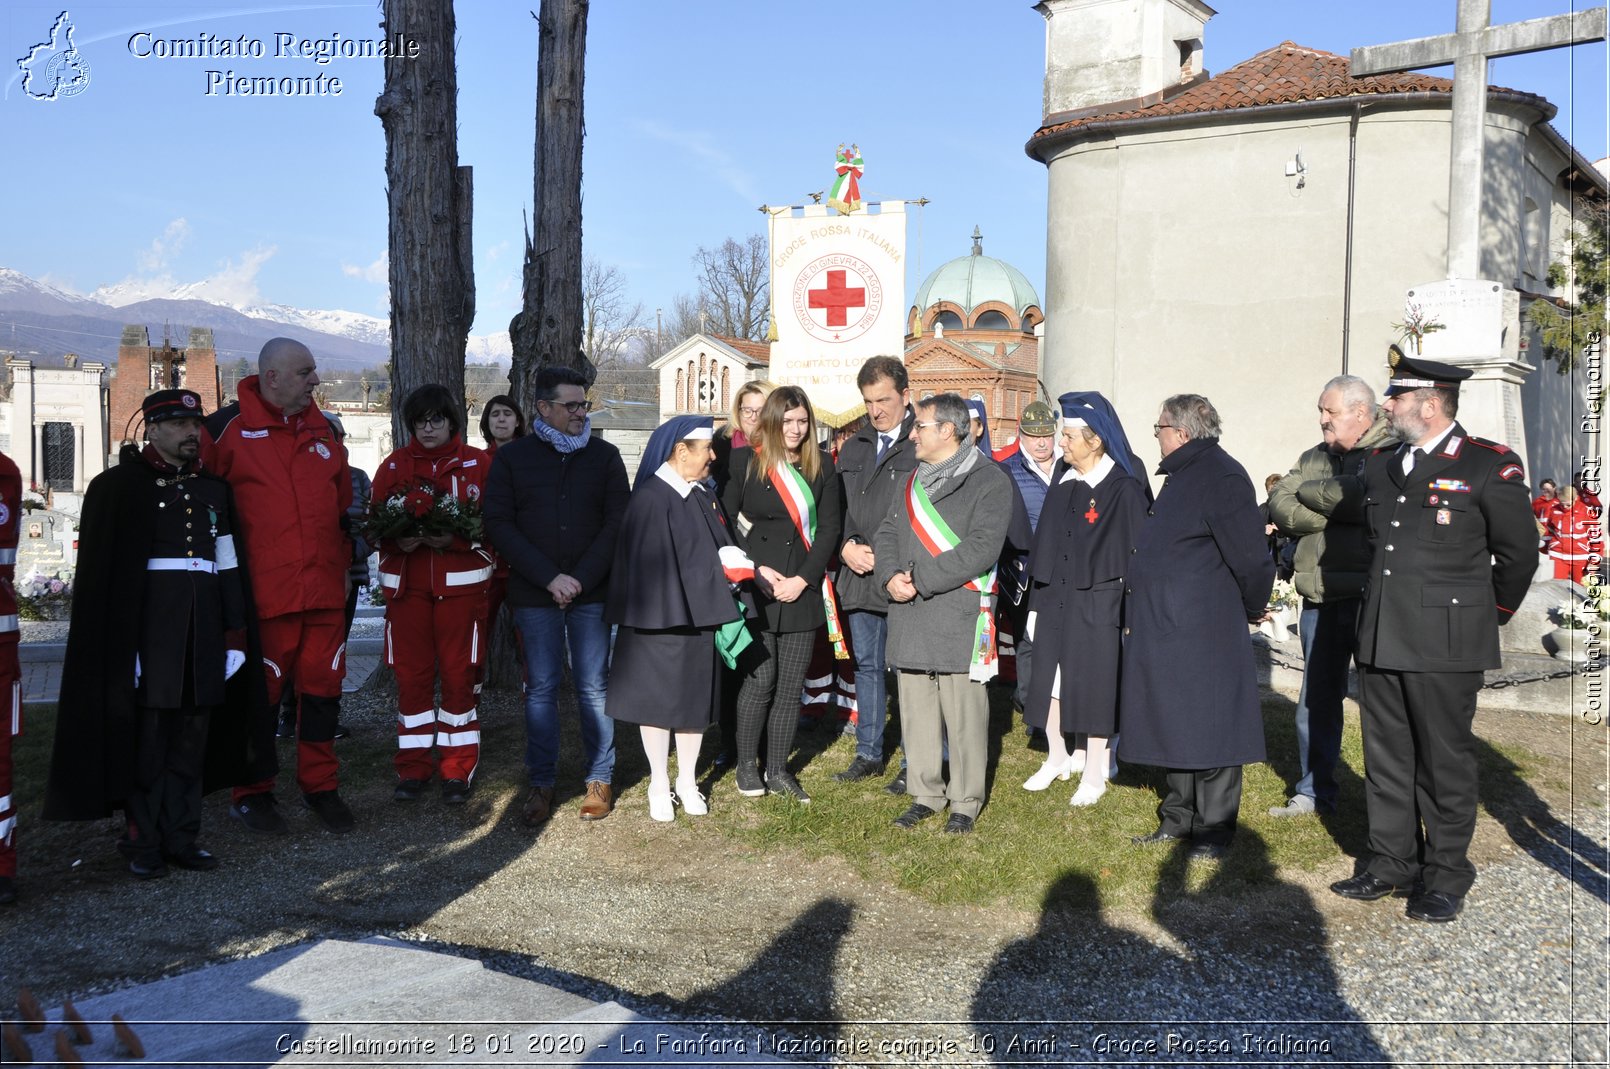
(163, 604)
(553, 508)
(935, 556)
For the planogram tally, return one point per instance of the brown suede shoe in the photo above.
(537, 807)
(599, 801)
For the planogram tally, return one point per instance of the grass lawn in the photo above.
(1030, 851)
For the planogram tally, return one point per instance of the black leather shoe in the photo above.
(455, 791)
(1208, 852)
(913, 816)
(958, 825)
(861, 768)
(287, 728)
(341, 731)
(409, 790)
(1158, 836)
(146, 868)
(331, 811)
(747, 779)
(1365, 887)
(194, 858)
(8, 891)
(1038, 742)
(1438, 907)
(898, 784)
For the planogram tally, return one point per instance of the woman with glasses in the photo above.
(739, 431)
(783, 501)
(435, 587)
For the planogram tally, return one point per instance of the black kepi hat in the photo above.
(172, 404)
(1408, 374)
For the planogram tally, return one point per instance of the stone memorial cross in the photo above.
(1474, 41)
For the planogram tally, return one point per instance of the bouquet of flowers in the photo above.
(43, 597)
(420, 511)
(1283, 596)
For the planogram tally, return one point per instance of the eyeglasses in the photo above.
(431, 421)
(750, 412)
(920, 424)
(575, 408)
(1158, 428)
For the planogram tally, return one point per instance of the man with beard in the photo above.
(1332, 558)
(1454, 549)
(160, 624)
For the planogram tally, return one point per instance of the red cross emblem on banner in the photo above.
(838, 298)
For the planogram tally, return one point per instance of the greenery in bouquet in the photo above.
(420, 511)
(1283, 596)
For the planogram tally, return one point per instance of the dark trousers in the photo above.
(769, 696)
(1329, 632)
(1201, 803)
(164, 809)
(1420, 772)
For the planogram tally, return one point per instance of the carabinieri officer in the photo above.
(1454, 549)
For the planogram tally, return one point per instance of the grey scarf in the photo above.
(933, 476)
(559, 439)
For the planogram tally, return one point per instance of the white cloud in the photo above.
(378, 272)
(165, 248)
(234, 283)
(704, 146)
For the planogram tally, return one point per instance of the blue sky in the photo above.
(698, 111)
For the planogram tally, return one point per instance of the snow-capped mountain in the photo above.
(366, 339)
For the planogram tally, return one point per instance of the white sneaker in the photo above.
(1090, 791)
(692, 800)
(661, 806)
(1048, 772)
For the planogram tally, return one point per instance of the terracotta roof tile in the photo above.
(1284, 74)
(758, 351)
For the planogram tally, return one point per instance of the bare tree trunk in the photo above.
(429, 198)
(548, 329)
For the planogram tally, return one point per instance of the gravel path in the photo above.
(676, 922)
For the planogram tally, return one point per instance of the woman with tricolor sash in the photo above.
(783, 499)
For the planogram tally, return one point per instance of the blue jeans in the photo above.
(545, 634)
(869, 632)
(1329, 635)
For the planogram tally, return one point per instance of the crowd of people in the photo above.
(221, 558)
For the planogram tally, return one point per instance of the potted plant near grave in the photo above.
(1579, 626)
(44, 597)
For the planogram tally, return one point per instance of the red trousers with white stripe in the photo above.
(10, 727)
(311, 649)
(427, 637)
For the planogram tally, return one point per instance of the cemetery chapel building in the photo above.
(1249, 235)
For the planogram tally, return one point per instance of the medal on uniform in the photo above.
(1444, 517)
(1092, 515)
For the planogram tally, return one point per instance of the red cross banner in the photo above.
(839, 296)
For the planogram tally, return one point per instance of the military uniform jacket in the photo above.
(1454, 548)
(123, 611)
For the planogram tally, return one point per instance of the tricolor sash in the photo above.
(801, 505)
(937, 537)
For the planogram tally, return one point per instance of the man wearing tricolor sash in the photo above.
(936, 552)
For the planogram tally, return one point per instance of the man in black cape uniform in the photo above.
(162, 613)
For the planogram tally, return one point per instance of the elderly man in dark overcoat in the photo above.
(162, 694)
(1201, 572)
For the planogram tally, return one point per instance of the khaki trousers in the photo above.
(936, 707)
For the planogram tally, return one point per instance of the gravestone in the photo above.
(45, 544)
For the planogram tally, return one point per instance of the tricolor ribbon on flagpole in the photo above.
(801, 505)
(937, 537)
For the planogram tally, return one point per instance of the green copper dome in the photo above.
(976, 279)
